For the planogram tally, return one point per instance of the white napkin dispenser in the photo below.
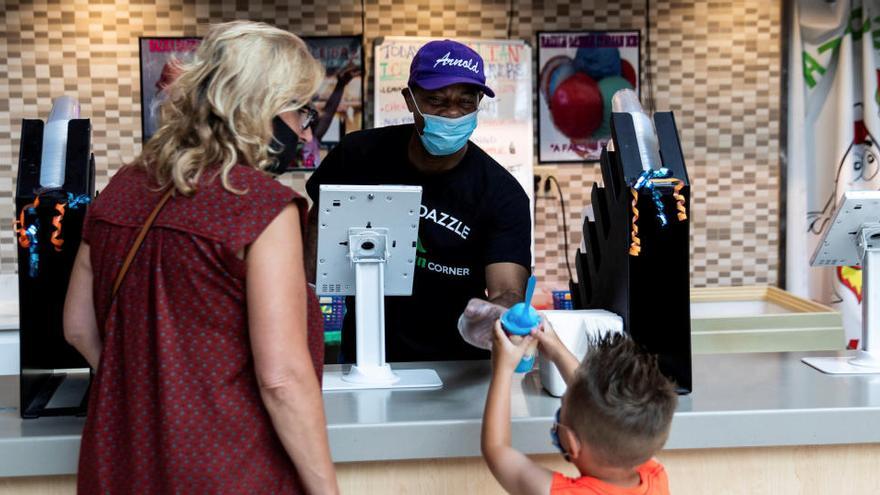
(574, 328)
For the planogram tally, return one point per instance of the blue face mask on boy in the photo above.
(443, 135)
(554, 436)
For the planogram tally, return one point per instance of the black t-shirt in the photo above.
(471, 216)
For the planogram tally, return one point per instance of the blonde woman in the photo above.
(203, 333)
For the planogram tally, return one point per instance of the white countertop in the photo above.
(739, 400)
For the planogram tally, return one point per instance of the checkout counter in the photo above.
(755, 423)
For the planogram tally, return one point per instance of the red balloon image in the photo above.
(576, 106)
(627, 71)
(548, 70)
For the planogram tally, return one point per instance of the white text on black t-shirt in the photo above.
(445, 220)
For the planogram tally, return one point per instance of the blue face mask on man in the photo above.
(444, 136)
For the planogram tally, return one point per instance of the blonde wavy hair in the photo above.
(219, 111)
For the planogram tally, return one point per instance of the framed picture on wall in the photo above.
(160, 58)
(578, 73)
(339, 101)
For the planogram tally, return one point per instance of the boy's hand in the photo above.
(506, 354)
(553, 348)
(548, 340)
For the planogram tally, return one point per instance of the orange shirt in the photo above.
(653, 482)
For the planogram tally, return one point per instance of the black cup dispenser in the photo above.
(636, 262)
(49, 217)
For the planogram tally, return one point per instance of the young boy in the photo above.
(615, 416)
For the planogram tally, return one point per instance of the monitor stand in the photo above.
(367, 249)
(867, 359)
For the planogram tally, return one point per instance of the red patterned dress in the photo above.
(175, 406)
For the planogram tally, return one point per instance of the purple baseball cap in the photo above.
(442, 63)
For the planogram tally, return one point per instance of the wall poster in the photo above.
(578, 73)
(158, 70)
(339, 101)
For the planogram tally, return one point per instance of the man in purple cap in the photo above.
(475, 229)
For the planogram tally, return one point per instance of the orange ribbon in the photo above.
(56, 239)
(18, 225)
(635, 246)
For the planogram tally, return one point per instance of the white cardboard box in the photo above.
(574, 328)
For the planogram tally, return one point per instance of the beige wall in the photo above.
(716, 64)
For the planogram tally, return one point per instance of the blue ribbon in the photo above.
(33, 255)
(74, 202)
(645, 181)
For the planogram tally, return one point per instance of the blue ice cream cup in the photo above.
(520, 320)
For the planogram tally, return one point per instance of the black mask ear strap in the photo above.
(290, 145)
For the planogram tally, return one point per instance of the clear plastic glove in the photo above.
(476, 322)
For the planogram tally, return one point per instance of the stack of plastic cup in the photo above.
(54, 153)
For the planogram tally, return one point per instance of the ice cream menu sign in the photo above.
(505, 122)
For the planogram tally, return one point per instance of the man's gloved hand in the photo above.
(476, 322)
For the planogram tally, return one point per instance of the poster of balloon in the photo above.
(578, 73)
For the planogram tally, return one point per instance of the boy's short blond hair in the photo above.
(619, 403)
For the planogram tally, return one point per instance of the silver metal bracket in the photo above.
(367, 245)
(868, 239)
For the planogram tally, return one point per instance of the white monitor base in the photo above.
(860, 364)
(334, 381)
(371, 375)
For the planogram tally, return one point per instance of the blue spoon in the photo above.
(530, 291)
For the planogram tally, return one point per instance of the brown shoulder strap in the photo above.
(139, 240)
